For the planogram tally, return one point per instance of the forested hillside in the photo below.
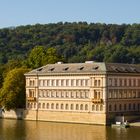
(77, 42)
(27, 47)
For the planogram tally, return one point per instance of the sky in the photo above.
(25, 12)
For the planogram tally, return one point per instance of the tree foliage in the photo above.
(40, 56)
(74, 41)
(12, 94)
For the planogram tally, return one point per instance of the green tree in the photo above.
(52, 56)
(36, 57)
(12, 94)
(40, 56)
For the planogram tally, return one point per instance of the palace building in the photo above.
(90, 92)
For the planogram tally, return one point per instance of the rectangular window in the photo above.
(115, 82)
(95, 83)
(120, 82)
(134, 82)
(125, 82)
(110, 82)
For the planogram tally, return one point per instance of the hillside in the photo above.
(77, 42)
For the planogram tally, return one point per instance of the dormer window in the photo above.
(39, 69)
(81, 68)
(95, 67)
(65, 69)
(51, 69)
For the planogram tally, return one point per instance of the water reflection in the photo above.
(62, 131)
(31, 130)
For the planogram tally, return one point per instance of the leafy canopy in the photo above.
(12, 94)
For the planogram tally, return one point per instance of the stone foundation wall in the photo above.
(71, 117)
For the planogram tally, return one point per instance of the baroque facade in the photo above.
(90, 92)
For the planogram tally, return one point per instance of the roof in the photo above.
(87, 67)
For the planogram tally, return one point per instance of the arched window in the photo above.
(81, 107)
(52, 106)
(47, 106)
(93, 107)
(97, 107)
(86, 107)
(67, 107)
(57, 106)
(71, 107)
(95, 94)
(101, 107)
(43, 105)
(77, 107)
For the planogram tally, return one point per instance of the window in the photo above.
(86, 82)
(32, 82)
(62, 106)
(101, 107)
(66, 107)
(71, 107)
(81, 107)
(129, 106)
(57, 83)
(134, 106)
(110, 108)
(72, 82)
(39, 105)
(43, 105)
(67, 94)
(120, 107)
(125, 82)
(52, 106)
(110, 82)
(86, 94)
(47, 106)
(124, 106)
(67, 82)
(53, 83)
(97, 107)
(120, 82)
(130, 83)
(93, 107)
(95, 83)
(77, 107)
(115, 82)
(34, 105)
(99, 83)
(95, 94)
(134, 82)
(57, 106)
(86, 107)
(115, 107)
(31, 93)
(28, 105)
(57, 94)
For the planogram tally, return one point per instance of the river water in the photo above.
(32, 130)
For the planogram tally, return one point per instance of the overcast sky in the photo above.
(23, 12)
